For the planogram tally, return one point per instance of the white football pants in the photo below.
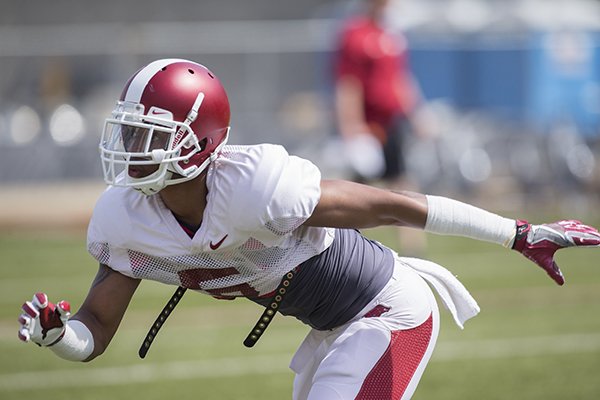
(379, 355)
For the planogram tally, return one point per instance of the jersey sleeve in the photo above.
(279, 194)
(108, 232)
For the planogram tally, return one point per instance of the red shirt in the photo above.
(377, 59)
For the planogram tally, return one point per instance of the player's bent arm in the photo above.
(105, 305)
(87, 335)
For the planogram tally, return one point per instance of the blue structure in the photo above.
(536, 78)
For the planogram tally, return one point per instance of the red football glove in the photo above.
(43, 322)
(540, 242)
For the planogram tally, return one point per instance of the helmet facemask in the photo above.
(133, 141)
(170, 123)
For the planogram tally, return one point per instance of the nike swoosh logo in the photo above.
(215, 246)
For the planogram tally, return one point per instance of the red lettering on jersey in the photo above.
(194, 278)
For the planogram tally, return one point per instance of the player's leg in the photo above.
(379, 356)
(403, 363)
(306, 361)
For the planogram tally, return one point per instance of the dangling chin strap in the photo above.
(256, 332)
(160, 320)
(270, 311)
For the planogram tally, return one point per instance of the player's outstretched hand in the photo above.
(540, 242)
(43, 322)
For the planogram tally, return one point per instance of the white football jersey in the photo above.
(251, 233)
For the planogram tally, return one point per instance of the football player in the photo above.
(185, 209)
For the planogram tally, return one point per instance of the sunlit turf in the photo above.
(532, 340)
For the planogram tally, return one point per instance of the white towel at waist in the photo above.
(454, 295)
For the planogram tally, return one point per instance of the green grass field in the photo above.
(532, 340)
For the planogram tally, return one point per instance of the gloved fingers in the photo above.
(25, 322)
(30, 309)
(63, 308)
(40, 300)
(569, 222)
(41, 321)
(581, 234)
(24, 335)
(547, 263)
(555, 273)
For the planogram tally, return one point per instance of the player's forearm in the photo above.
(450, 217)
(77, 343)
(84, 338)
(345, 204)
(100, 339)
(105, 305)
(445, 216)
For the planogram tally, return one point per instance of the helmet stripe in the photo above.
(140, 81)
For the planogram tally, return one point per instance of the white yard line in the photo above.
(142, 372)
(517, 347)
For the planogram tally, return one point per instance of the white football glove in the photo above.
(43, 322)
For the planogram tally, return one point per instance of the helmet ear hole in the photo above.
(194, 158)
(202, 143)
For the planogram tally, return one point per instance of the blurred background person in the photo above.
(376, 103)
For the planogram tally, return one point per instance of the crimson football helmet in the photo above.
(172, 120)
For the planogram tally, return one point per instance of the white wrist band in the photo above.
(450, 217)
(77, 343)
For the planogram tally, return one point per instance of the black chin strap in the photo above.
(270, 311)
(256, 332)
(160, 320)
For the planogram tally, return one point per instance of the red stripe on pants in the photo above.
(392, 374)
